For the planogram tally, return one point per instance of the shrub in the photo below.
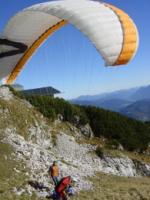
(99, 151)
(112, 144)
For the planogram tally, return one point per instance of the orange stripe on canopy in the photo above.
(31, 50)
(130, 41)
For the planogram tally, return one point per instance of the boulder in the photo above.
(5, 93)
(120, 147)
(86, 130)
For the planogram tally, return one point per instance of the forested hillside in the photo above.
(132, 134)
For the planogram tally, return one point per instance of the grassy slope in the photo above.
(107, 187)
(8, 176)
(18, 116)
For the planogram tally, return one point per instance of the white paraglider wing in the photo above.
(110, 30)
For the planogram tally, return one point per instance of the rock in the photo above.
(5, 93)
(142, 169)
(72, 128)
(120, 147)
(4, 111)
(86, 130)
(16, 170)
(119, 166)
(73, 158)
(60, 117)
(18, 191)
(5, 157)
(76, 119)
(37, 153)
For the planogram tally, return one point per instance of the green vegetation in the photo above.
(17, 114)
(105, 124)
(132, 134)
(50, 107)
(12, 172)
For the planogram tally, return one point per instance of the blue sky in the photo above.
(69, 62)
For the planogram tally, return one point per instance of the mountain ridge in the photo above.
(139, 110)
(120, 101)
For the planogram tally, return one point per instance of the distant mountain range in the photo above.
(120, 94)
(139, 110)
(111, 104)
(134, 102)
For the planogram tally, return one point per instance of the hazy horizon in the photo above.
(70, 63)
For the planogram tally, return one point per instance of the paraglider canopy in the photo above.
(111, 31)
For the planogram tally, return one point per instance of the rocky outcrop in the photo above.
(142, 169)
(86, 130)
(73, 158)
(39, 150)
(5, 93)
(119, 166)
